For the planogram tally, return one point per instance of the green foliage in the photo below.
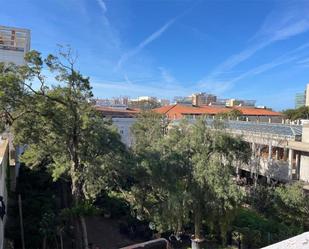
(12, 97)
(185, 174)
(60, 127)
(282, 212)
(299, 113)
(63, 130)
(48, 224)
(262, 199)
(288, 202)
(82, 209)
(149, 128)
(257, 231)
(292, 205)
(39, 201)
(113, 204)
(232, 114)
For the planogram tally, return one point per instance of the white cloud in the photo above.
(281, 24)
(102, 5)
(155, 35)
(167, 76)
(222, 86)
(161, 87)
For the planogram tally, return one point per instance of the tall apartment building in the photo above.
(240, 102)
(199, 99)
(164, 102)
(307, 95)
(14, 44)
(302, 99)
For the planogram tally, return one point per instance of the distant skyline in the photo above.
(165, 48)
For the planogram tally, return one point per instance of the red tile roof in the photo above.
(257, 111)
(115, 112)
(178, 111)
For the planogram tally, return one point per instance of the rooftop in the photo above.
(178, 110)
(118, 112)
(273, 129)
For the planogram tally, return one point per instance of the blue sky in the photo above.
(242, 49)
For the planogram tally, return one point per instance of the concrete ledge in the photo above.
(152, 244)
(298, 242)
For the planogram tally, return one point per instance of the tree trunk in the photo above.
(81, 237)
(44, 242)
(78, 239)
(77, 184)
(84, 232)
(56, 241)
(179, 227)
(196, 243)
(197, 223)
(61, 240)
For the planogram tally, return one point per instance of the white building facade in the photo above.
(14, 44)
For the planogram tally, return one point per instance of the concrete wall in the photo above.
(4, 164)
(275, 169)
(265, 119)
(304, 158)
(304, 167)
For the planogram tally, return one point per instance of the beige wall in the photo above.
(124, 128)
(4, 163)
(304, 167)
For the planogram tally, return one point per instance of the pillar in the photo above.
(237, 172)
(252, 159)
(269, 161)
(247, 119)
(270, 148)
(237, 118)
(297, 162)
(253, 149)
(277, 154)
(291, 152)
(269, 120)
(285, 154)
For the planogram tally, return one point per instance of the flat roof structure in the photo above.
(289, 131)
(118, 112)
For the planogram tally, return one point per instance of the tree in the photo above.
(292, 205)
(63, 130)
(299, 113)
(189, 174)
(40, 199)
(149, 129)
(12, 95)
(232, 114)
(210, 155)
